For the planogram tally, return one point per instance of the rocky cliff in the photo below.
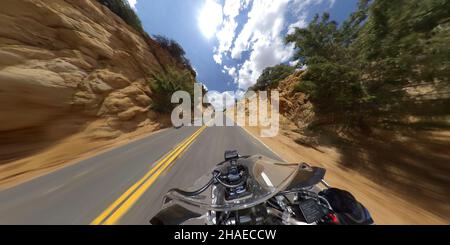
(65, 63)
(295, 106)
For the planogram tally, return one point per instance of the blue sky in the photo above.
(230, 42)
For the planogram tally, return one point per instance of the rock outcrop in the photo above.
(65, 59)
(295, 106)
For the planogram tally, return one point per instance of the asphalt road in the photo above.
(124, 185)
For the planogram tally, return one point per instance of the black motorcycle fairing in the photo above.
(173, 215)
(307, 177)
(259, 190)
(266, 177)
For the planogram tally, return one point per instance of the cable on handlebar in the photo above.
(199, 191)
(230, 185)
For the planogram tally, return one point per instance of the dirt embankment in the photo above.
(402, 173)
(387, 204)
(71, 68)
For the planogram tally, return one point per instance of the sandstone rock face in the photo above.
(73, 58)
(67, 63)
(293, 105)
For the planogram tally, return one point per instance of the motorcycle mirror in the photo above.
(231, 155)
(166, 200)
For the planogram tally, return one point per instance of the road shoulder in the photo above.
(386, 206)
(67, 152)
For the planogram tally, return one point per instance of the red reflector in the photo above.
(333, 218)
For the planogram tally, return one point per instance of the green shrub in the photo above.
(306, 87)
(123, 9)
(164, 85)
(175, 50)
(271, 76)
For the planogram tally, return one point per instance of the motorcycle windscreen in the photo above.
(267, 177)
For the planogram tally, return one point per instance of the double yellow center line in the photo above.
(121, 206)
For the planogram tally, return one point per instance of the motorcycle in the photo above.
(257, 190)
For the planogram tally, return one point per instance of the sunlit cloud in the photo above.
(226, 34)
(132, 3)
(261, 36)
(222, 100)
(210, 18)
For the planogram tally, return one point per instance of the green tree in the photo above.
(333, 76)
(358, 70)
(403, 41)
(271, 76)
(175, 50)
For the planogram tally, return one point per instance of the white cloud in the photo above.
(217, 58)
(294, 63)
(261, 36)
(267, 52)
(231, 8)
(210, 18)
(226, 34)
(332, 2)
(300, 6)
(266, 18)
(221, 101)
(232, 71)
(301, 23)
(132, 3)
